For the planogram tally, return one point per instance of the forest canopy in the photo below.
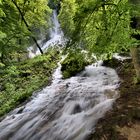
(101, 26)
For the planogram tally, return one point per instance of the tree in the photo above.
(135, 24)
(101, 26)
(19, 21)
(67, 12)
(26, 24)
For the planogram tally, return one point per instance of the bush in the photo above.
(2, 65)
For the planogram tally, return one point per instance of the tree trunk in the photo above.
(2, 58)
(135, 52)
(25, 22)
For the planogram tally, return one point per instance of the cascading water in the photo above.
(65, 110)
(56, 37)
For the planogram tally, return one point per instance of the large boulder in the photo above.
(74, 63)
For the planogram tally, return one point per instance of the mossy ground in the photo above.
(123, 121)
(19, 80)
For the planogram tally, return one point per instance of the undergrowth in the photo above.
(19, 80)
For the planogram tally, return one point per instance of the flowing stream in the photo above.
(65, 110)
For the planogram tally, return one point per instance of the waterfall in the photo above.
(67, 109)
(56, 37)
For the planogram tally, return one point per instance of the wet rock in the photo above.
(67, 85)
(136, 113)
(113, 63)
(76, 109)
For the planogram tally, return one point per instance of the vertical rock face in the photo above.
(135, 52)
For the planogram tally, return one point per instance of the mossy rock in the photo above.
(113, 63)
(74, 63)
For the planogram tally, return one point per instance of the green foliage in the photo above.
(136, 80)
(2, 65)
(12, 71)
(67, 12)
(74, 63)
(14, 34)
(18, 81)
(135, 8)
(100, 26)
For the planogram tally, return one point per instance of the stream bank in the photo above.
(123, 121)
(67, 109)
(20, 79)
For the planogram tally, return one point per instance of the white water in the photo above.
(66, 110)
(56, 37)
(121, 58)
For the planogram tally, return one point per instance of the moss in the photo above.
(20, 80)
(136, 80)
(112, 63)
(74, 63)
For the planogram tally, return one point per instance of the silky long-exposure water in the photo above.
(56, 37)
(66, 110)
